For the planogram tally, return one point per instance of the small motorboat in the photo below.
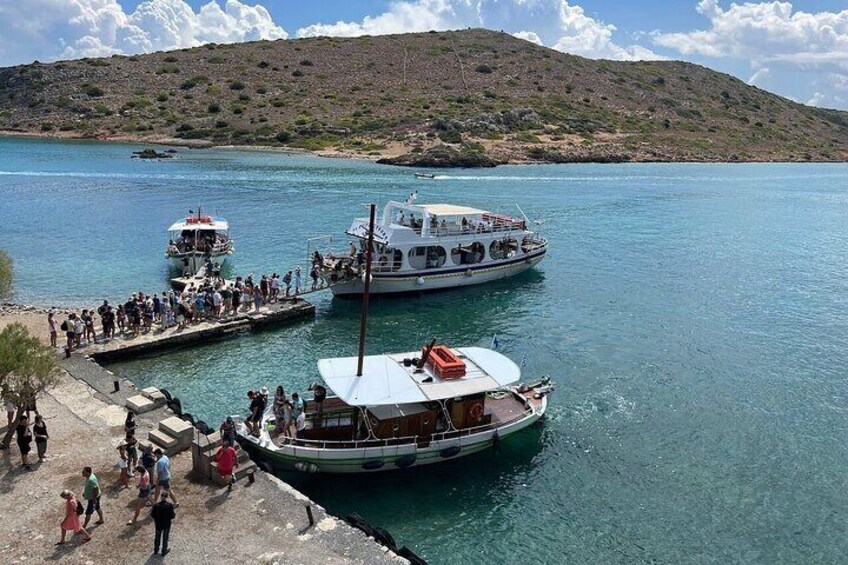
(425, 175)
(198, 239)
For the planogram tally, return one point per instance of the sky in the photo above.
(795, 49)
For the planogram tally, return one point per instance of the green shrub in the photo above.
(236, 85)
(283, 137)
(244, 97)
(485, 69)
(213, 108)
(93, 91)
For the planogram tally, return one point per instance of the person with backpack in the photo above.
(71, 522)
(68, 327)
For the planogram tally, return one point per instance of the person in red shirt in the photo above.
(227, 463)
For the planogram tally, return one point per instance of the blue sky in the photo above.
(798, 49)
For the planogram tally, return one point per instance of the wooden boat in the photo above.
(395, 411)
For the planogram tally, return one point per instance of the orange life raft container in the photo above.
(444, 363)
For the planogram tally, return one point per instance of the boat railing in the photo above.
(404, 440)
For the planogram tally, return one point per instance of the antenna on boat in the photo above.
(369, 248)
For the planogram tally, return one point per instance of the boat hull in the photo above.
(422, 281)
(380, 458)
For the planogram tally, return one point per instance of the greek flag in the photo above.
(495, 341)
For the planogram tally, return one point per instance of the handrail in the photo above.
(406, 440)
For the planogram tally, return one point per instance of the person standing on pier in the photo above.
(217, 302)
(298, 284)
(53, 327)
(163, 514)
(287, 280)
(144, 487)
(108, 318)
(274, 285)
(257, 298)
(39, 430)
(91, 493)
(68, 327)
(24, 441)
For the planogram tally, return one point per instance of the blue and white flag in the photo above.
(495, 341)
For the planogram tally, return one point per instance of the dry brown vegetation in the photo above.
(473, 93)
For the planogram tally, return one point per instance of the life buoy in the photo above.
(476, 411)
(383, 261)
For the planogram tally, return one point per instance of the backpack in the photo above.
(64, 326)
(80, 509)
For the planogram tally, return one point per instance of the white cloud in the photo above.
(765, 31)
(530, 36)
(545, 22)
(53, 29)
(758, 76)
(796, 51)
(817, 99)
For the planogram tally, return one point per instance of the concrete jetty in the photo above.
(263, 522)
(159, 339)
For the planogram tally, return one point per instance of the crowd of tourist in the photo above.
(288, 412)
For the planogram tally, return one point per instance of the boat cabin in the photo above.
(398, 399)
(199, 233)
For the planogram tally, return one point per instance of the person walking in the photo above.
(91, 493)
(71, 521)
(39, 430)
(24, 441)
(142, 483)
(228, 431)
(163, 475)
(123, 463)
(53, 327)
(148, 460)
(132, 452)
(227, 464)
(163, 514)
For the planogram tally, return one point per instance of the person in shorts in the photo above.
(91, 493)
(145, 487)
(227, 463)
(163, 475)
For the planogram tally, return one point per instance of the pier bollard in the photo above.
(309, 515)
(117, 384)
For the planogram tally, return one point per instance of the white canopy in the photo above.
(386, 381)
(192, 223)
(450, 210)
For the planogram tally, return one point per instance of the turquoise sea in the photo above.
(693, 316)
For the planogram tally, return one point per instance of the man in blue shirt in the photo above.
(163, 475)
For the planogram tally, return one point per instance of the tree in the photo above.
(27, 368)
(7, 273)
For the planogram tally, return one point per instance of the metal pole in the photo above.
(369, 248)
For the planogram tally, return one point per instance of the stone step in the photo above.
(178, 428)
(140, 404)
(152, 393)
(168, 443)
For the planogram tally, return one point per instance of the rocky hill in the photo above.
(472, 97)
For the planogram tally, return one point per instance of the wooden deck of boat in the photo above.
(504, 409)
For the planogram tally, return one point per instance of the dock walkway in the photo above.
(159, 339)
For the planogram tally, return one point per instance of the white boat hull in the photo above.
(420, 281)
(380, 458)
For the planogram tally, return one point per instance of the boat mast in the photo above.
(369, 248)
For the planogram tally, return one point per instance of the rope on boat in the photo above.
(497, 394)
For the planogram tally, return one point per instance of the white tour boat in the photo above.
(403, 410)
(199, 238)
(400, 413)
(435, 246)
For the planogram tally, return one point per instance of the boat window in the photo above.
(427, 257)
(468, 254)
(388, 260)
(503, 248)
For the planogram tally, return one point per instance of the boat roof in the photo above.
(216, 223)
(450, 210)
(385, 380)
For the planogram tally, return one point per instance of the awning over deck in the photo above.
(385, 380)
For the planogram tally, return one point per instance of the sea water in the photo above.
(694, 318)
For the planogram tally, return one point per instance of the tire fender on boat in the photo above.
(419, 281)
